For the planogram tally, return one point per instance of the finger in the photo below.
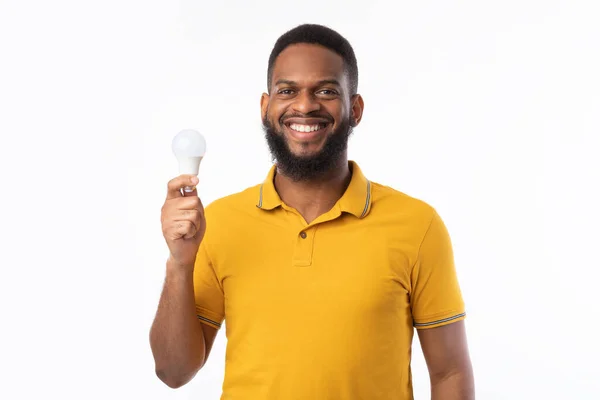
(181, 209)
(187, 233)
(184, 229)
(193, 216)
(188, 215)
(176, 184)
(186, 203)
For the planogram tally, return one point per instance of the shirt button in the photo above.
(303, 235)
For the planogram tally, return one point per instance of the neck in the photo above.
(315, 197)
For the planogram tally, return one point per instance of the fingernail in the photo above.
(194, 180)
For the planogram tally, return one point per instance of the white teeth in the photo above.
(305, 128)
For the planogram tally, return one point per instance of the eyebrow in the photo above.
(319, 83)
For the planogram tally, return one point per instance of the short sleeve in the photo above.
(436, 297)
(208, 292)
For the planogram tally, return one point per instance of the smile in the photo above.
(306, 132)
(307, 128)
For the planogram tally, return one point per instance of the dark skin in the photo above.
(447, 356)
(307, 79)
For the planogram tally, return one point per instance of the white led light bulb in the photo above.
(189, 148)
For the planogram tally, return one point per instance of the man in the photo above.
(321, 274)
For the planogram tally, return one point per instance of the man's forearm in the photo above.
(456, 386)
(176, 336)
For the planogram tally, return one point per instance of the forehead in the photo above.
(305, 63)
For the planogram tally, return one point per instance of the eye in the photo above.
(285, 92)
(328, 92)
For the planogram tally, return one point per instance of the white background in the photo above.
(486, 110)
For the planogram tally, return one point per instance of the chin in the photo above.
(304, 150)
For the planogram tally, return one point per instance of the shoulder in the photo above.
(406, 215)
(393, 202)
(243, 202)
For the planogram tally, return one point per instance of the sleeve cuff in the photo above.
(209, 318)
(440, 321)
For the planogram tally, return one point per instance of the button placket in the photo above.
(303, 250)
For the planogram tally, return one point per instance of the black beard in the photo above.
(299, 168)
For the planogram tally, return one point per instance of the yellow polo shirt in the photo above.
(326, 310)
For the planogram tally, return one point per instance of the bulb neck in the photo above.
(189, 165)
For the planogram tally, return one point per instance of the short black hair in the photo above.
(321, 35)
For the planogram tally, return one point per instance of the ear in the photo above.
(357, 107)
(264, 105)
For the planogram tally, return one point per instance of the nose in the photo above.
(305, 103)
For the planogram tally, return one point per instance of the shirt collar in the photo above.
(356, 199)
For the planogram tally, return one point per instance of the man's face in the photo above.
(309, 113)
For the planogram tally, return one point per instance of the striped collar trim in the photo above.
(356, 200)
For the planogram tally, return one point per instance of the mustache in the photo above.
(285, 117)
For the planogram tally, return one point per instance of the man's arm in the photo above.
(180, 343)
(447, 356)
